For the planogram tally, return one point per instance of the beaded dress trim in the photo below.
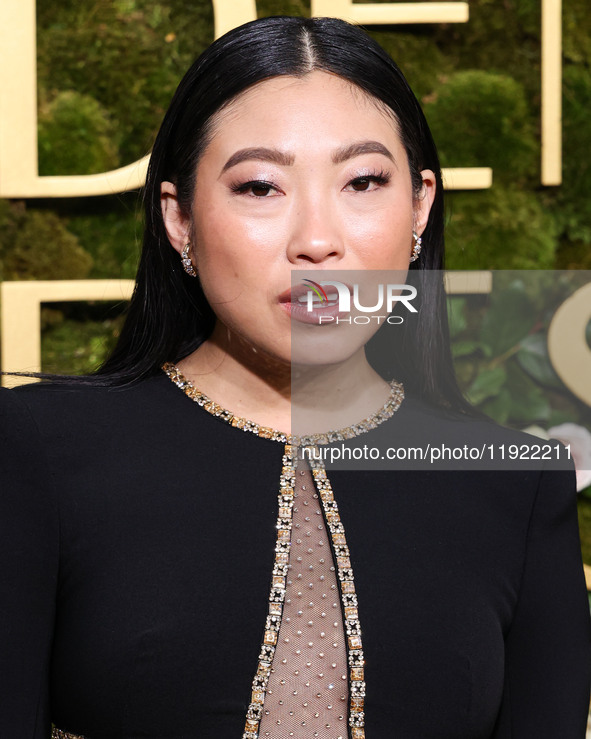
(296, 447)
(348, 432)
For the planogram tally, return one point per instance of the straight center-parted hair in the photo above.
(169, 316)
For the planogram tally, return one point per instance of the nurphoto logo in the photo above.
(330, 301)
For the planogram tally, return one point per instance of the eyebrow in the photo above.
(259, 153)
(361, 147)
(349, 151)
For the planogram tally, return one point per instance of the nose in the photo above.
(316, 235)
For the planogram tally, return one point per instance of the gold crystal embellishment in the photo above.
(348, 432)
(348, 599)
(294, 445)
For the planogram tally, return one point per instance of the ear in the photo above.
(178, 225)
(424, 200)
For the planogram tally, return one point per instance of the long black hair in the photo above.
(169, 316)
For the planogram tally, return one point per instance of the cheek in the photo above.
(382, 236)
(230, 266)
(226, 236)
(217, 245)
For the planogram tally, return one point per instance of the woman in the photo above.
(174, 568)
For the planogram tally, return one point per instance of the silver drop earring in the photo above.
(416, 247)
(187, 263)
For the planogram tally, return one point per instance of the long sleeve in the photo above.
(548, 648)
(29, 546)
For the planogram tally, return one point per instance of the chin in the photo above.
(330, 344)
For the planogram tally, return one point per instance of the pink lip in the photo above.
(299, 311)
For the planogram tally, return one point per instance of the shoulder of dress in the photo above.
(13, 408)
(19, 433)
(428, 438)
(29, 500)
(420, 415)
(47, 392)
(67, 409)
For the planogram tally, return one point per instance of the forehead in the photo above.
(310, 106)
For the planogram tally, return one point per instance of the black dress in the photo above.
(138, 535)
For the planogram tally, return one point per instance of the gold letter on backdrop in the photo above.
(551, 92)
(396, 13)
(567, 343)
(229, 14)
(19, 173)
(21, 316)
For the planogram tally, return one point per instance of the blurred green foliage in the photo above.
(479, 117)
(584, 511)
(128, 55)
(37, 245)
(572, 212)
(76, 136)
(499, 343)
(500, 228)
(77, 337)
(109, 229)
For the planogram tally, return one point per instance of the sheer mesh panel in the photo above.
(307, 694)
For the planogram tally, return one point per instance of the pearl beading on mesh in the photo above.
(355, 656)
(348, 598)
(309, 670)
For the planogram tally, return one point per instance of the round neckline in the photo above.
(266, 432)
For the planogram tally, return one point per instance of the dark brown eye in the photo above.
(369, 182)
(260, 189)
(360, 184)
(253, 188)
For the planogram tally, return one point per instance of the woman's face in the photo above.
(300, 174)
